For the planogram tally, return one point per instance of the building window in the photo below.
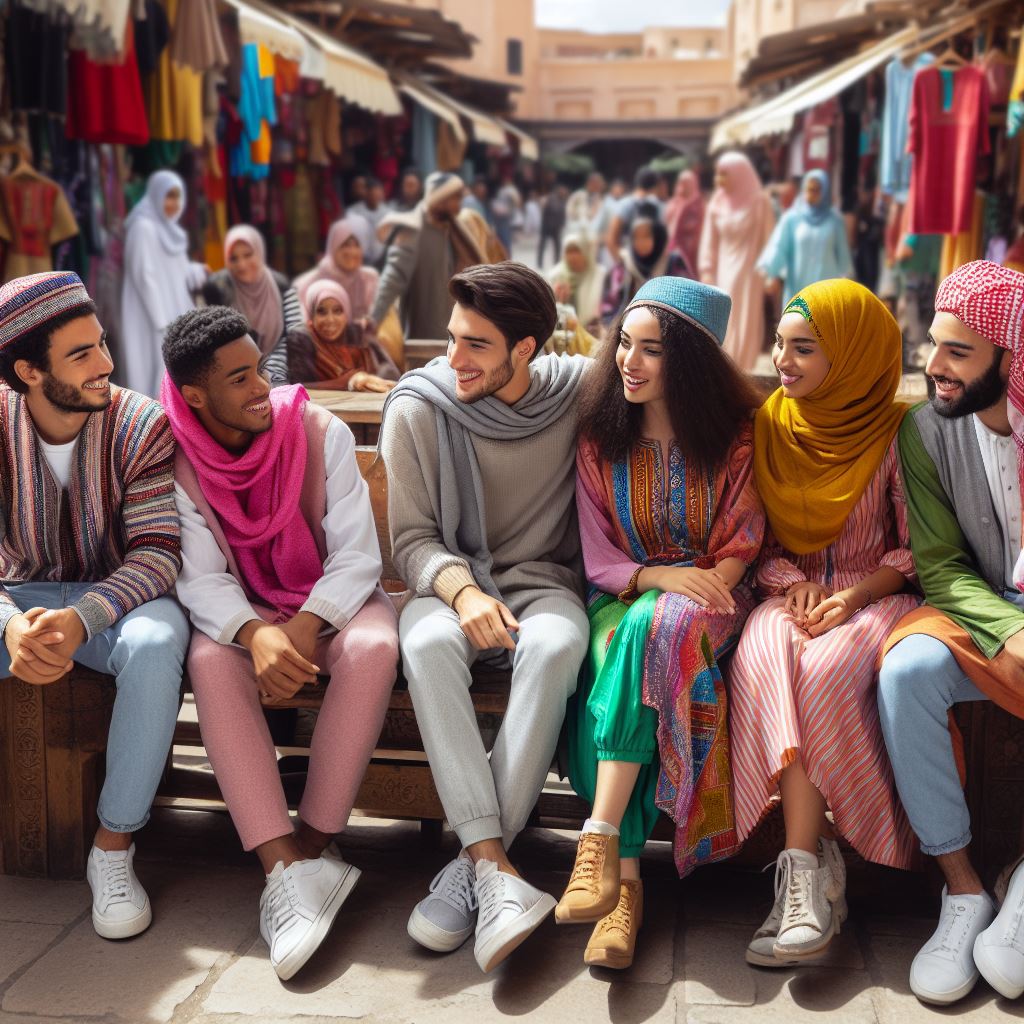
(514, 56)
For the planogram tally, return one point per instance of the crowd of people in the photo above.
(393, 260)
(698, 584)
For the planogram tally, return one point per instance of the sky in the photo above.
(631, 16)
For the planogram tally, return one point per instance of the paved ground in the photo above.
(204, 962)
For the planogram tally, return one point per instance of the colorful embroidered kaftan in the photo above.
(635, 514)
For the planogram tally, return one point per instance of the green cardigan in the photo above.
(946, 566)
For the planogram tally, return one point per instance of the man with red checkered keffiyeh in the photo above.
(962, 456)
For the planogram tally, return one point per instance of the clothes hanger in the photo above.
(23, 166)
(949, 58)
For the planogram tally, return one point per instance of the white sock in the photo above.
(802, 860)
(601, 828)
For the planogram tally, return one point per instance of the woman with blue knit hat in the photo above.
(670, 523)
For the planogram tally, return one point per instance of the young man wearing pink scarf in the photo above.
(281, 570)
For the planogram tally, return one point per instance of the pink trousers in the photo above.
(362, 660)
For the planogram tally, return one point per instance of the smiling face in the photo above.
(643, 239)
(798, 356)
(77, 376)
(969, 372)
(349, 255)
(481, 359)
(640, 357)
(172, 203)
(329, 319)
(243, 263)
(575, 260)
(233, 401)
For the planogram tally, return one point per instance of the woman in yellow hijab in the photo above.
(835, 572)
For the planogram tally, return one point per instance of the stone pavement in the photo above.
(203, 961)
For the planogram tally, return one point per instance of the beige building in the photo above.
(662, 85)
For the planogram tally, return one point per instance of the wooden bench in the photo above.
(52, 741)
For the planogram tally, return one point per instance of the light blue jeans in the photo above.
(144, 651)
(919, 682)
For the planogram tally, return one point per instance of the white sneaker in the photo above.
(120, 906)
(999, 949)
(298, 907)
(944, 970)
(761, 949)
(815, 907)
(444, 919)
(510, 909)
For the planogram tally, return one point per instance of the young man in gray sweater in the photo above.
(480, 453)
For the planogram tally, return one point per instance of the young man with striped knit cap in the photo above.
(89, 547)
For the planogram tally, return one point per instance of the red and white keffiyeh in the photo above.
(989, 299)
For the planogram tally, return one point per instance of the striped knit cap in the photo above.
(29, 302)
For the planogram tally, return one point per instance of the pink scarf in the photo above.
(684, 217)
(259, 301)
(256, 496)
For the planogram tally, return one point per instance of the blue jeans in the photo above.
(919, 682)
(145, 652)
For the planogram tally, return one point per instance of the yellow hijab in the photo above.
(814, 456)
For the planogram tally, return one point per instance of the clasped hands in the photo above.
(42, 643)
(816, 610)
(282, 654)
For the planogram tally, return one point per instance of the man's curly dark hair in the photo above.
(192, 340)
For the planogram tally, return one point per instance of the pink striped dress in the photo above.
(792, 695)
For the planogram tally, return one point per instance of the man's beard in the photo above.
(68, 398)
(495, 380)
(977, 396)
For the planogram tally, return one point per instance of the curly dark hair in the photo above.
(516, 299)
(192, 340)
(34, 347)
(709, 398)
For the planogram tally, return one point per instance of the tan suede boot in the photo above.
(593, 888)
(613, 941)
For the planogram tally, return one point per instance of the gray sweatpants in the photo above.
(481, 799)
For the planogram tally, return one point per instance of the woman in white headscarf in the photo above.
(159, 280)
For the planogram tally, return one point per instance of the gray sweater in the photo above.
(529, 500)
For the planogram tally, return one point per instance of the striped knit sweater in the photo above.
(116, 524)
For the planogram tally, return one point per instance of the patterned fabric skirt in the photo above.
(793, 696)
(652, 693)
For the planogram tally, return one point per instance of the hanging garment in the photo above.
(175, 96)
(250, 157)
(196, 41)
(105, 102)
(948, 132)
(34, 216)
(895, 162)
(1015, 108)
(36, 66)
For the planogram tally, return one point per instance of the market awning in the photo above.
(271, 32)
(343, 70)
(484, 127)
(777, 115)
(528, 148)
(419, 95)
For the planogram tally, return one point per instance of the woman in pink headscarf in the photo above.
(738, 223)
(263, 296)
(342, 263)
(684, 218)
(333, 351)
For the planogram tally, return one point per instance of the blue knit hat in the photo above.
(700, 304)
